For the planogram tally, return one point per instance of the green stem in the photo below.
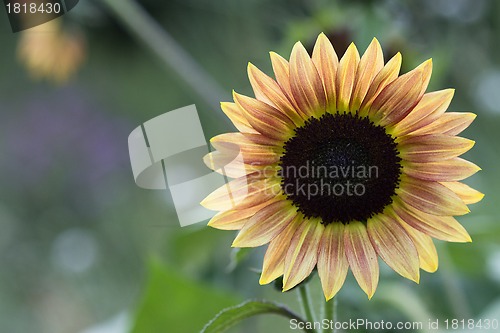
(149, 32)
(305, 302)
(330, 314)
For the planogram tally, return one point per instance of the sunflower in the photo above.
(337, 163)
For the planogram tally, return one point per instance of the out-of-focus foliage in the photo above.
(174, 302)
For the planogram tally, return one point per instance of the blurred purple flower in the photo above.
(64, 135)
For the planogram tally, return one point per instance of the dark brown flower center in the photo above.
(340, 168)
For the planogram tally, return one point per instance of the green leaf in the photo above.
(229, 317)
(173, 302)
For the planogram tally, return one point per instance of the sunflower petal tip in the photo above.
(251, 68)
(263, 281)
(375, 42)
(426, 66)
(203, 202)
(433, 268)
(352, 48)
(297, 45)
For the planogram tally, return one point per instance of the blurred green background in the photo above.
(83, 249)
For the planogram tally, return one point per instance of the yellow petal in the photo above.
(465, 192)
(326, 61)
(264, 118)
(227, 164)
(426, 249)
(386, 75)
(281, 70)
(234, 113)
(307, 87)
(243, 192)
(332, 262)
(370, 65)
(441, 227)
(255, 149)
(362, 257)
(302, 253)
(274, 259)
(432, 147)
(430, 197)
(265, 225)
(269, 91)
(447, 170)
(394, 246)
(401, 96)
(346, 74)
(450, 123)
(429, 108)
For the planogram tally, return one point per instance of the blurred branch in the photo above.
(149, 32)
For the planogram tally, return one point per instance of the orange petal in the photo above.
(266, 224)
(346, 74)
(264, 118)
(386, 75)
(225, 163)
(430, 197)
(370, 65)
(429, 108)
(281, 70)
(426, 249)
(447, 170)
(302, 253)
(274, 259)
(306, 84)
(361, 256)
(394, 246)
(243, 192)
(332, 262)
(450, 123)
(250, 146)
(401, 96)
(326, 61)
(465, 192)
(234, 113)
(235, 219)
(441, 227)
(269, 91)
(432, 147)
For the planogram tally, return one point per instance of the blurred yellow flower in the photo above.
(50, 52)
(344, 161)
